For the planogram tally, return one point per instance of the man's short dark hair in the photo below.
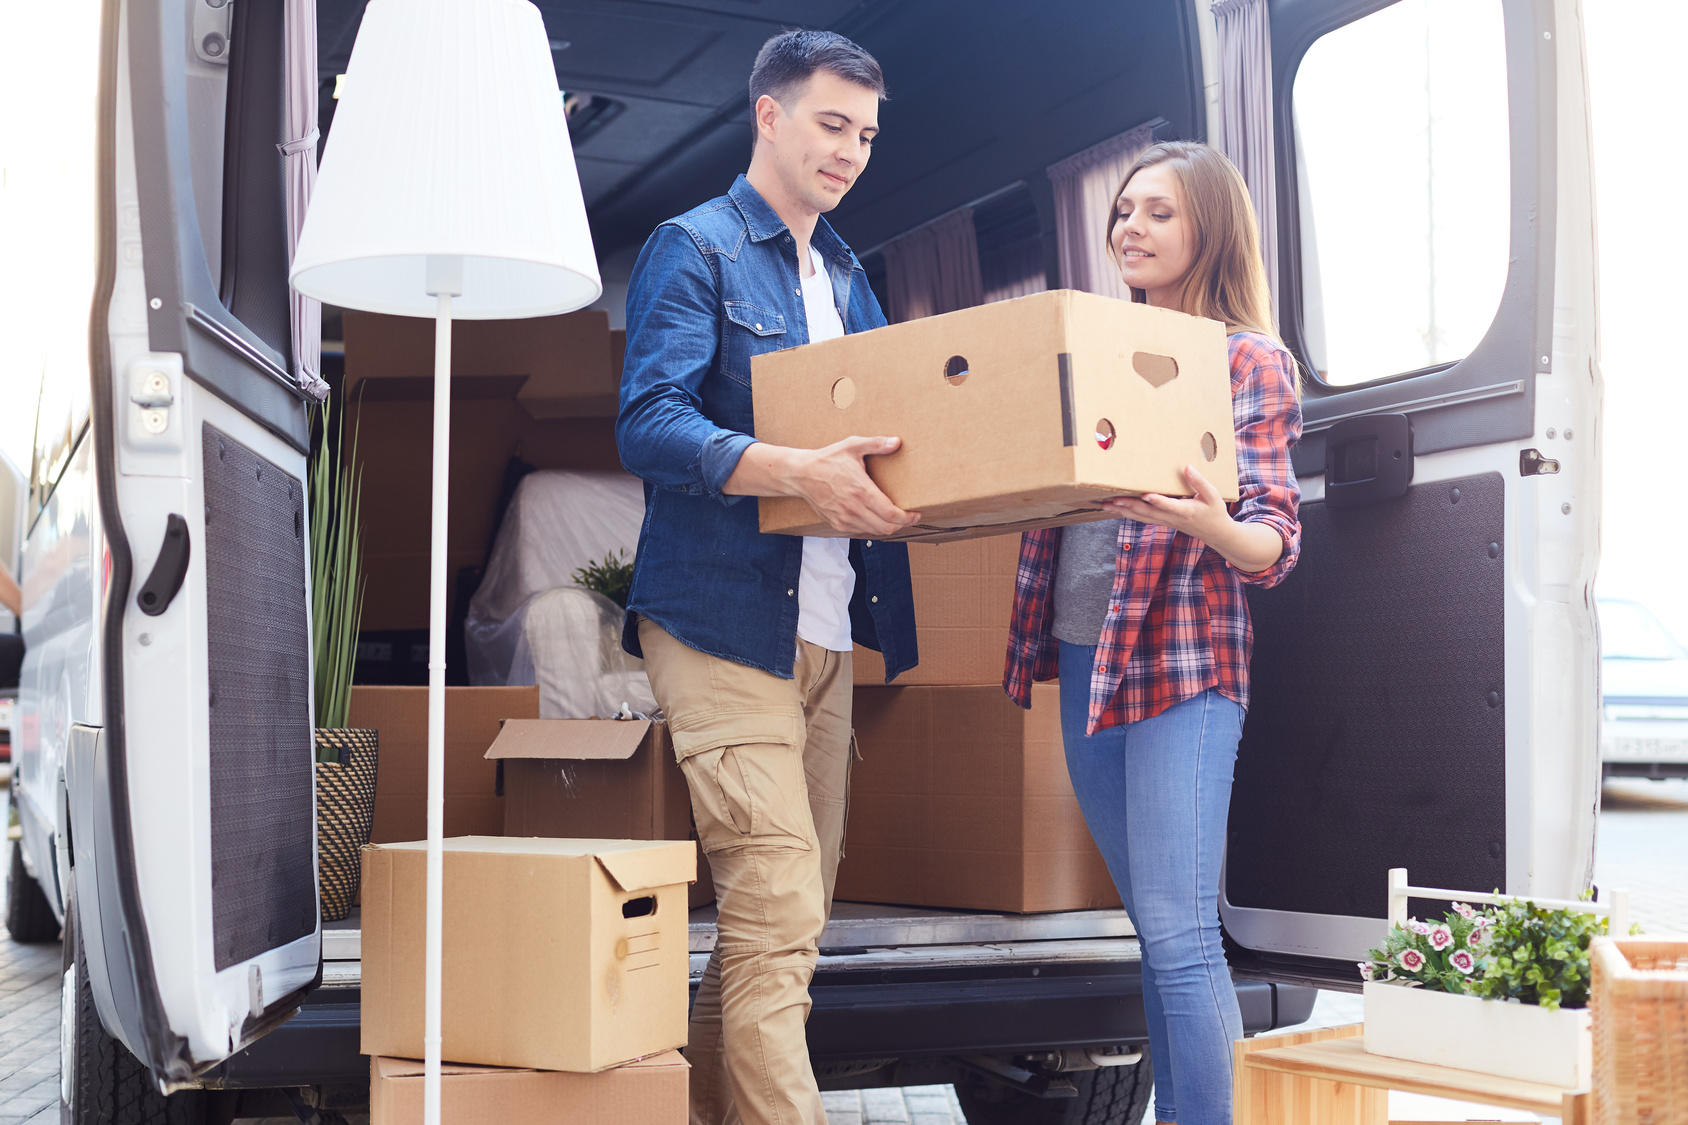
(786, 62)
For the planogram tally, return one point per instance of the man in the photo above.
(747, 636)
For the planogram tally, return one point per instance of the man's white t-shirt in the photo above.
(828, 580)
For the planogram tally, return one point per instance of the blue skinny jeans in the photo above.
(1156, 795)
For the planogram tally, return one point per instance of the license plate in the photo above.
(1646, 749)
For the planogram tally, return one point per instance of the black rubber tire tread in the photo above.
(1110, 1095)
(29, 916)
(111, 1085)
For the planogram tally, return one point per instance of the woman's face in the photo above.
(1152, 240)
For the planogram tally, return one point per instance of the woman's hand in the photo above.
(1200, 517)
(1250, 547)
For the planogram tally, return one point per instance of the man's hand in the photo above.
(832, 479)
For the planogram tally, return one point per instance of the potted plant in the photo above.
(345, 757)
(1503, 991)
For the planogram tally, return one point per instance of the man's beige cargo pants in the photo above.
(768, 764)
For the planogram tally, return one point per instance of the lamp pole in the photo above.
(444, 281)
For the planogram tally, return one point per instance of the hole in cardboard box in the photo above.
(955, 371)
(1210, 448)
(1156, 370)
(639, 907)
(844, 392)
(1105, 434)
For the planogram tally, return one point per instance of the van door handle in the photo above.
(161, 585)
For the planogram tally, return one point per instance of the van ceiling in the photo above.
(984, 93)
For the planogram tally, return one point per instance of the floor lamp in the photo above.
(447, 189)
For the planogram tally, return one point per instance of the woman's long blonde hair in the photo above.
(1227, 280)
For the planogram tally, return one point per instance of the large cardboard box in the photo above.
(644, 1092)
(962, 800)
(556, 954)
(1019, 414)
(472, 716)
(963, 594)
(595, 779)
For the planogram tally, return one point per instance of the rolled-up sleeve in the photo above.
(1267, 412)
(672, 334)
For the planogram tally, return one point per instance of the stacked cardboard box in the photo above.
(556, 956)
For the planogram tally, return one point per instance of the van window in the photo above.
(1401, 145)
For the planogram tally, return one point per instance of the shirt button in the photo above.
(869, 543)
(758, 328)
(798, 291)
(1101, 667)
(1125, 546)
(790, 593)
(874, 599)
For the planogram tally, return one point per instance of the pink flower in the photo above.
(1440, 937)
(1463, 961)
(1464, 910)
(1410, 959)
(1477, 937)
(1365, 970)
(1420, 928)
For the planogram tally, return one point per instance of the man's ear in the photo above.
(768, 111)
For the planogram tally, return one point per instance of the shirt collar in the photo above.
(764, 223)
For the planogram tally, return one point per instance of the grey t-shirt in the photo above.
(1084, 580)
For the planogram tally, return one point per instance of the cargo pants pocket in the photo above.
(748, 791)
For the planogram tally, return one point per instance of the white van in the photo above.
(1426, 684)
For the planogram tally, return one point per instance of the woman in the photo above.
(1144, 620)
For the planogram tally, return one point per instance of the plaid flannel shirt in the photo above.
(1177, 622)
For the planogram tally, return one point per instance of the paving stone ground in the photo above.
(1643, 849)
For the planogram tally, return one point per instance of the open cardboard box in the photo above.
(1014, 415)
(595, 778)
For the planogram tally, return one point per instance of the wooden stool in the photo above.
(1326, 1078)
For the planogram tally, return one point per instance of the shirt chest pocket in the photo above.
(750, 330)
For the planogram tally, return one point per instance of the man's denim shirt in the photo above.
(712, 288)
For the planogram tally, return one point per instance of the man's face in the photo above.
(821, 142)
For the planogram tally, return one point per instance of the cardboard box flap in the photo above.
(655, 865)
(385, 1066)
(574, 739)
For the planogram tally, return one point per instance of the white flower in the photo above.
(1440, 937)
(1463, 961)
(1477, 938)
(1420, 928)
(1464, 910)
(1365, 970)
(1410, 959)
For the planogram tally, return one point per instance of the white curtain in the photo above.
(934, 268)
(1085, 186)
(299, 153)
(1245, 113)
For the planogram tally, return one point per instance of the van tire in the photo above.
(1109, 1095)
(109, 1085)
(29, 916)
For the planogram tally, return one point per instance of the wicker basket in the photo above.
(345, 808)
(1640, 1002)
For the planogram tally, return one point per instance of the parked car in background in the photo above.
(1644, 694)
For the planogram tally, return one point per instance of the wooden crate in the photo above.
(1640, 1003)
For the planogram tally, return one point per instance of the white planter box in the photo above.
(1488, 1036)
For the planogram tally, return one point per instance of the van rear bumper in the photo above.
(851, 1019)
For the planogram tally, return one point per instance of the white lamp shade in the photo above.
(449, 139)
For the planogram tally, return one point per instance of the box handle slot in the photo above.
(956, 370)
(844, 393)
(1156, 370)
(1104, 433)
(640, 907)
(1210, 447)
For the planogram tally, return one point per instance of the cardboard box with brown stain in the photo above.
(595, 779)
(555, 954)
(472, 717)
(1018, 414)
(963, 594)
(962, 800)
(645, 1092)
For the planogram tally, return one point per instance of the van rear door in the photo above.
(1425, 684)
(192, 803)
